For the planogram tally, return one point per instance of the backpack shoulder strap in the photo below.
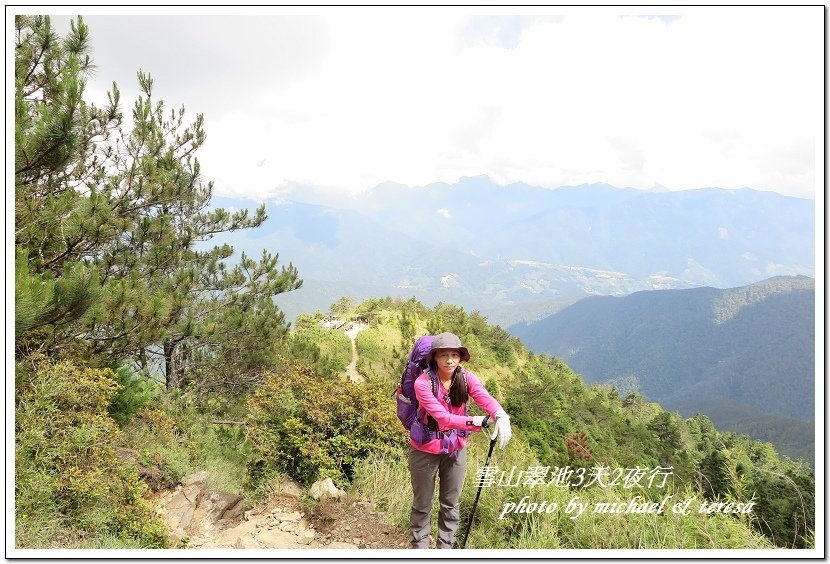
(434, 384)
(433, 380)
(467, 386)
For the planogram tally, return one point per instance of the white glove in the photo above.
(502, 428)
(481, 421)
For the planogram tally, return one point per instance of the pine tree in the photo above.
(129, 209)
(54, 151)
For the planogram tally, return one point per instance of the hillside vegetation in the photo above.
(140, 359)
(743, 356)
(564, 425)
(304, 419)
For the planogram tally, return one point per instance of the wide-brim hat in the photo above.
(448, 341)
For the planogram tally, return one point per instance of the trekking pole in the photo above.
(478, 494)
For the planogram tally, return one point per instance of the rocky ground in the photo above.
(199, 518)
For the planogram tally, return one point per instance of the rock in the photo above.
(225, 506)
(245, 543)
(179, 512)
(290, 488)
(288, 526)
(325, 488)
(246, 529)
(274, 538)
(306, 537)
(198, 511)
(293, 516)
(193, 492)
(199, 478)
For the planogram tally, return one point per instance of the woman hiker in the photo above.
(442, 392)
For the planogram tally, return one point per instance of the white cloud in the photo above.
(349, 98)
(445, 213)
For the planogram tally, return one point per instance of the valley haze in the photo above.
(516, 253)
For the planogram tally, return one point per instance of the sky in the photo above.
(346, 98)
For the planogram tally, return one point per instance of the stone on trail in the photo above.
(325, 488)
(306, 536)
(245, 543)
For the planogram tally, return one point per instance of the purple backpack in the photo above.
(411, 416)
(405, 392)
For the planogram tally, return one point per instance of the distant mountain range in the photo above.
(651, 266)
(519, 252)
(743, 356)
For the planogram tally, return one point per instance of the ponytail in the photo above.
(458, 390)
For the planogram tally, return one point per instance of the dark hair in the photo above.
(458, 388)
(458, 393)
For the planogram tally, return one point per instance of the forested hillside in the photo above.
(743, 356)
(142, 356)
(564, 423)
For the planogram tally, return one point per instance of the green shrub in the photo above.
(310, 427)
(327, 351)
(135, 392)
(66, 463)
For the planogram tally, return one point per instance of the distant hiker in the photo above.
(438, 438)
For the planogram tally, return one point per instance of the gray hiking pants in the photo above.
(423, 468)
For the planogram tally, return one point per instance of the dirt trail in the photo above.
(198, 519)
(351, 370)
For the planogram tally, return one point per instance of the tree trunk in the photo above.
(170, 376)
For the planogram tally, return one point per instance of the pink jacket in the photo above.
(451, 417)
